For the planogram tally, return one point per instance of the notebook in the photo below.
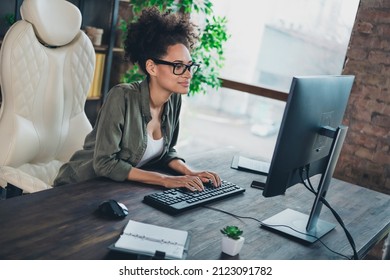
(154, 241)
(250, 165)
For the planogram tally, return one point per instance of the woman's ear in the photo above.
(151, 67)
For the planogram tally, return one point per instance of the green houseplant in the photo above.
(209, 52)
(9, 19)
(232, 240)
(233, 232)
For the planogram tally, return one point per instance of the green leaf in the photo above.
(233, 232)
(210, 52)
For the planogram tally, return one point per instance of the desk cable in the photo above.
(264, 224)
(310, 187)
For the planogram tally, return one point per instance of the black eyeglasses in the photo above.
(178, 67)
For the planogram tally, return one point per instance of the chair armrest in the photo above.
(22, 180)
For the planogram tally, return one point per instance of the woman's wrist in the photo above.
(180, 167)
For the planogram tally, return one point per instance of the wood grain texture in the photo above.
(61, 223)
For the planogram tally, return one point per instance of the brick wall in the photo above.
(365, 157)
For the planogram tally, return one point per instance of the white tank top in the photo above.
(154, 148)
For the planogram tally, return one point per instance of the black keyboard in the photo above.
(175, 201)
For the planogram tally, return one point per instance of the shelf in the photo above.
(102, 48)
(118, 50)
(102, 14)
(92, 98)
(105, 48)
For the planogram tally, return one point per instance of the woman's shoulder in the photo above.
(127, 88)
(126, 91)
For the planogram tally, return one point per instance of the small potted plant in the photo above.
(232, 241)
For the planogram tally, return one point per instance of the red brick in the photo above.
(380, 57)
(366, 41)
(361, 139)
(381, 120)
(358, 54)
(364, 27)
(383, 30)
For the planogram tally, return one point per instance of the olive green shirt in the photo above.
(119, 137)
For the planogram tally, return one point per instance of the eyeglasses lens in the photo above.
(179, 69)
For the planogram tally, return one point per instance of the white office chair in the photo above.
(46, 69)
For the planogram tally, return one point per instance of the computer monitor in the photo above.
(309, 141)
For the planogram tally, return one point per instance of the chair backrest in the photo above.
(46, 69)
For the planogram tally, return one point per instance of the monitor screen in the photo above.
(313, 103)
(309, 135)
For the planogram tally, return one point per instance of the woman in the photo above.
(138, 125)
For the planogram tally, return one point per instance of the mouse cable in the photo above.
(264, 224)
(310, 187)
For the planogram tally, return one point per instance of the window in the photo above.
(271, 41)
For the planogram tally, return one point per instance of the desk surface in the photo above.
(61, 223)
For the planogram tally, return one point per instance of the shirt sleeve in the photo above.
(107, 160)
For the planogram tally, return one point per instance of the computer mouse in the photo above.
(112, 209)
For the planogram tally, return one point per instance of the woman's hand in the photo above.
(194, 178)
(208, 177)
(193, 182)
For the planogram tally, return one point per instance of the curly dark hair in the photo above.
(154, 32)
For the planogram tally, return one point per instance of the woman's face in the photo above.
(171, 78)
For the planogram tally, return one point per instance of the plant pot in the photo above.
(232, 246)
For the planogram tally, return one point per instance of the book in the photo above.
(153, 241)
(96, 85)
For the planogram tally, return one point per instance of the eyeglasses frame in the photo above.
(175, 64)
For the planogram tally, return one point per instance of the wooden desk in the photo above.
(61, 224)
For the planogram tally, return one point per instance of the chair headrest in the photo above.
(56, 22)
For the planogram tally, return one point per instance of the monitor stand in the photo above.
(293, 223)
(310, 227)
